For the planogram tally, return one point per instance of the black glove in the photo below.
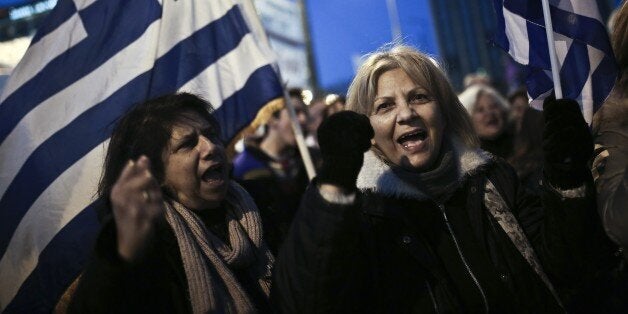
(567, 143)
(343, 138)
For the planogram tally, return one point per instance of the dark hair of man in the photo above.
(296, 93)
(519, 93)
(146, 130)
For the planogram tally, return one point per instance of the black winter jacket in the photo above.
(396, 252)
(154, 283)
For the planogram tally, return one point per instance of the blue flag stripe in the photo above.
(537, 82)
(61, 13)
(572, 78)
(87, 56)
(179, 65)
(75, 239)
(260, 85)
(539, 54)
(260, 88)
(563, 22)
(94, 125)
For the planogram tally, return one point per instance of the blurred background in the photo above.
(320, 43)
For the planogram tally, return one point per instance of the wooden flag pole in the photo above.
(298, 133)
(549, 30)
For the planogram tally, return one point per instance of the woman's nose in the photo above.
(406, 112)
(206, 147)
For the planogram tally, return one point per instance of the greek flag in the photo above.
(587, 65)
(88, 63)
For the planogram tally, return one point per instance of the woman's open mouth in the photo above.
(215, 174)
(414, 140)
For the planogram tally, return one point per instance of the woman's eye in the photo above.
(383, 106)
(189, 143)
(420, 99)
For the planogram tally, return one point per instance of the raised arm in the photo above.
(321, 266)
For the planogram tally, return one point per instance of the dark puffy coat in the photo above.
(391, 251)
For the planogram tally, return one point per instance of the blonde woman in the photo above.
(409, 215)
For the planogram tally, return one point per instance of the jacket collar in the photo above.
(377, 177)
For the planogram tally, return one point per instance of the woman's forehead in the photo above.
(191, 119)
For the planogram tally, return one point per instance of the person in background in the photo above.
(476, 78)
(316, 112)
(408, 215)
(335, 103)
(178, 235)
(518, 101)
(527, 152)
(489, 116)
(271, 169)
(610, 171)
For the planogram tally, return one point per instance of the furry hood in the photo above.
(376, 176)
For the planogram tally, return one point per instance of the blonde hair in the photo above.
(424, 71)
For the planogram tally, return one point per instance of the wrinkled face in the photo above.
(488, 117)
(195, 164)
(408, 122)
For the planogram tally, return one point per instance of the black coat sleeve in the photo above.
(321, 266)
(563, 227)
(111, 285)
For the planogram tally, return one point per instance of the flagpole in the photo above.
(395, 24)
(298, 132)
(549, 30)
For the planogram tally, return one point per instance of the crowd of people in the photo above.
(425, 200)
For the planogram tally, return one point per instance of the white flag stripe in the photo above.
(45, 50)
(595, 57)
(580, 7)
(245, 59)
(257, 30)
(70, 193)
(56, 112)
(80, 5)
(562, 44)
(518, 49)
(172, 31)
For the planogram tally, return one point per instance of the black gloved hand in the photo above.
(567, 143)
(343, 138)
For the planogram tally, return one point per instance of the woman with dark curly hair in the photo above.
(178, 235)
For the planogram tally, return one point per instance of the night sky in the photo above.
(342, 31)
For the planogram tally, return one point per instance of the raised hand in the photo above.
(137, 202)
(343, 138)
(567, 143)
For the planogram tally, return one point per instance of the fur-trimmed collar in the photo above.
(376, 176)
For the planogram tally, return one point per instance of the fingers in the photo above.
(136, 185)
(137, 202)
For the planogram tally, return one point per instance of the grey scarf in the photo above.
(438, 183)
(206, 259)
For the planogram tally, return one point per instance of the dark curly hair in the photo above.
(145, 130)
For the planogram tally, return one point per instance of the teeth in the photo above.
(421, 134)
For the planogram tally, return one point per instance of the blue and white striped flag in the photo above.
(87, 64)
(587, 65)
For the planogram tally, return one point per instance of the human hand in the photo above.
(137, 202)
(567, 143)
(343, 138)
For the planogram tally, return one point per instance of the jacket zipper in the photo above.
(464, 260)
